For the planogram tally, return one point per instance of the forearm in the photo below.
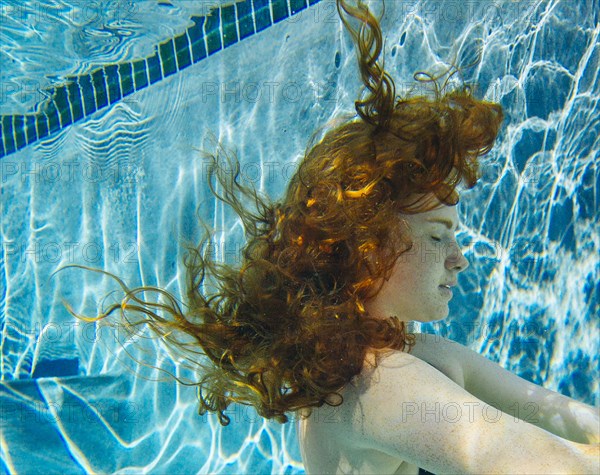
(562, 416)
(565, 417)
(571, 420)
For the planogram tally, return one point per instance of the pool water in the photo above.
(106, 107)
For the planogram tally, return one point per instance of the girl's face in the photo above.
(415, 289)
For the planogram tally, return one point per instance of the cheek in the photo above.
(405, 279)
(409, 267)
(412, 277)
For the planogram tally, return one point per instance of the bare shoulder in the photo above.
(431, 355)
(383, 377)
(409, 367)
(407, 407)
(444, 355)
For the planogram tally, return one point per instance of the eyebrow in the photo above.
(443, 221)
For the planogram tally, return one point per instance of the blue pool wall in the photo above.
(529, 300)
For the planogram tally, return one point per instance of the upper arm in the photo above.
(409, 409)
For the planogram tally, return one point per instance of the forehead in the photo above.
(442, 216)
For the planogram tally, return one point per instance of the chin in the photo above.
(433, 318)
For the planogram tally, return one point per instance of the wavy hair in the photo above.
(287, 329)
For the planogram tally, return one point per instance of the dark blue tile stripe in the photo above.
(262, 14)
(183, 51)
(167, 58)
(7, 134)
(75, 100)
(51, 113)
(41, 124)
(297, 5)
(87, 92)
(30, 130)
(19, 131)
(212, 32)
(140, 74)
(100, 90)
(126, 76)
(83, 95)
(229, 26)
(196, 36)
(61, 99)
(245, 19)
(279, 10)
(154, 68)
(113, 83)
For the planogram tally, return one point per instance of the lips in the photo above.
(446, 290)
(449, 284)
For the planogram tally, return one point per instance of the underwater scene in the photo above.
(108, 111)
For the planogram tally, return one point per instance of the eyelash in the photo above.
(436, 239)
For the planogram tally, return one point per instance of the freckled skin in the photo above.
(371, 432)
(412, 291)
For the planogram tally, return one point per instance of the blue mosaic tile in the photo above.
(61, 99)
(75, 100)
(213, 32)
(52, 114)
(30, 131)
(280, 11)
(19, 131)
(297, 5)
(113, 83)
(87, 92)
(196, 34)
(41, 123)
(262, 14)
(2, 149)
(100, 92)
(7, 134)
(154, 69)
(182, 51)
(126, 76)
(245, 22)
(140, 74)
(229, 25)
(166, 51)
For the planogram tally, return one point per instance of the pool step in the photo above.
(63, 425)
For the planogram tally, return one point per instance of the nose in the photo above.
(455, 259)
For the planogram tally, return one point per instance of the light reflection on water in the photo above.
(120, 189)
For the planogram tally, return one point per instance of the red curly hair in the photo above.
(287, 329)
